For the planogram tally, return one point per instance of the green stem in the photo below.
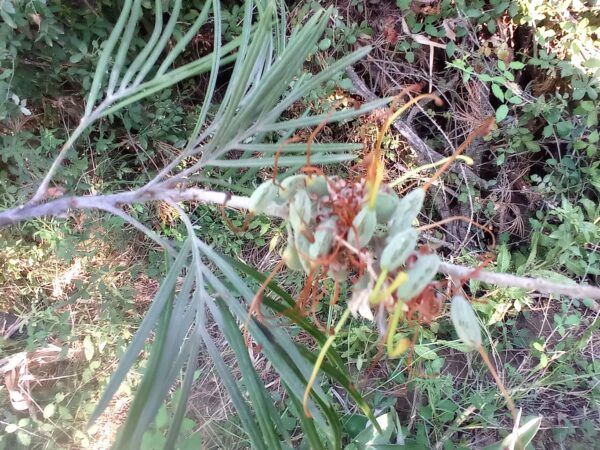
(410, 173)
(374, 298)
(395, 351)
(398, 281)
(321, 358)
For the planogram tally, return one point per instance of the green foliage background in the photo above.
(48, 55)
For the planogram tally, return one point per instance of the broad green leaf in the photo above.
(371, 436)
(49, 410)
(498, 92)
(501, 113)
(525, 434)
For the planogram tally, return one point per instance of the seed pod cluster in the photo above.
(333, 230)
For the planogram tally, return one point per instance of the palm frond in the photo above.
(201, 284)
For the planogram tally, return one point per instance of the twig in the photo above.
(61, 206)
(531, 284)
(425, 154)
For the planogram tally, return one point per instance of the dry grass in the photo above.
(83, 288)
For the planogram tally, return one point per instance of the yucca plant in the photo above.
(201, 283)
(266, 64)
(266, 80)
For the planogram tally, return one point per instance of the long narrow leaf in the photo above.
(308, 426)
(283, 161)
(162, 42)
(148, 382)
(299, 147)
(186, 386)
(143, 55)
(314, 82)
(256, 390)
(137, 344)
(338, 116)
(102, 66)
(237, 398)
(144, 90)
(284, 359)
(124, 46)
(189, 35)
(214, 71)
(281, 337)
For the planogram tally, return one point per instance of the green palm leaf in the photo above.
(258, 92)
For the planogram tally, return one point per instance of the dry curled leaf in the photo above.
(54, 192)
(18, 398)
(390, 34)
(359, 304)
(37, 19)
(449, 26)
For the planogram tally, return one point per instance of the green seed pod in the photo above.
(364, 223)
(407, 210)
(303, 248)
(302, 205)
(317, 184)
(465, 322)
(398, 248)
(291, 258)
(291, 185)
(323, 239)
(300, 211)
(385, 206)
(419, 276)
(263, 197)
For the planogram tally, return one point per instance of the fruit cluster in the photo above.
(347, 231)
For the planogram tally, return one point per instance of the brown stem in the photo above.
(463, 218)
(505, 394)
